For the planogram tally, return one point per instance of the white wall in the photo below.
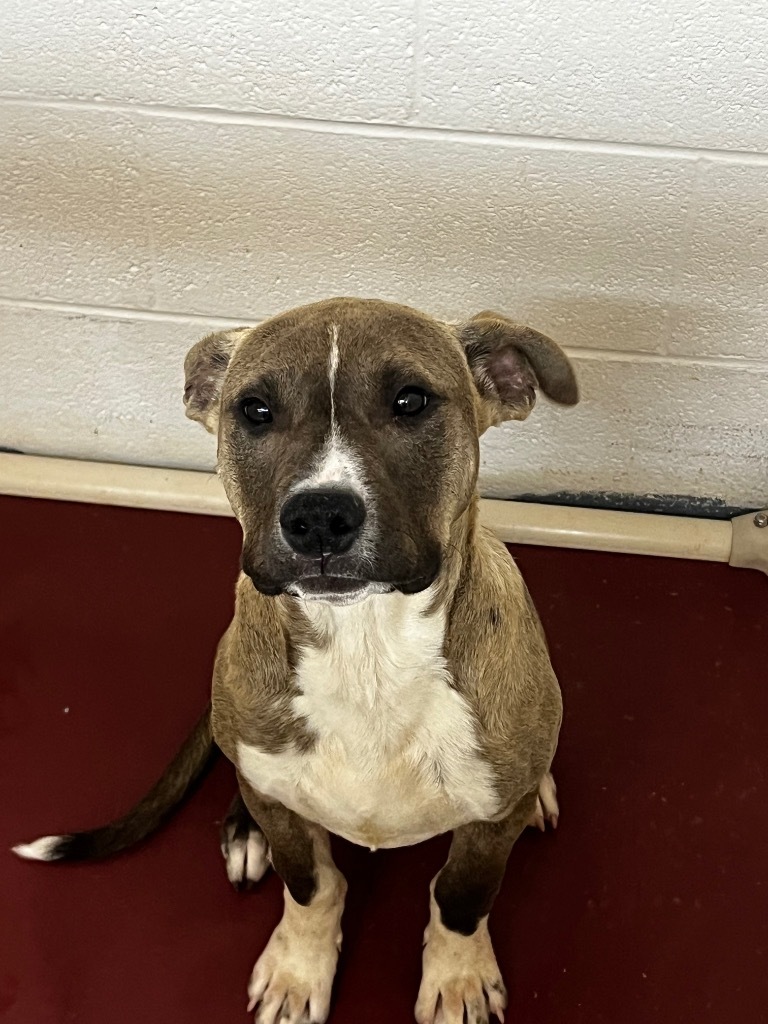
(597, 167)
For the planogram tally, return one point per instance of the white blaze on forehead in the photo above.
(337, 464)
(333, 366)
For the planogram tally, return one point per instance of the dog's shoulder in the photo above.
(254, 677)
(498, 657)
(493, 619)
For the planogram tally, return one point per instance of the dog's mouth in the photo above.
(349, 590)
(339, 590)
(340, 586)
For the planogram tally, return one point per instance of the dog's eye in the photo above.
(256, 411)
(410, 402)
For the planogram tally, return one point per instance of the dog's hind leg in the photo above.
(244, 846)
(293, 977)
(460, 977)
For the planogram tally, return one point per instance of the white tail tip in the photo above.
(41, 849)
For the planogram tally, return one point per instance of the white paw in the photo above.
(547, 809)
(460, 979)
(246, 852)
(292, 980)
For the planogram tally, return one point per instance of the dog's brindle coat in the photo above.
(386, 689)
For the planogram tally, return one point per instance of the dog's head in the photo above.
(348, 436)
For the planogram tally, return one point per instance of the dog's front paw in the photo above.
(244, 847)
(292, 980)
(547, 808)
(460, 978)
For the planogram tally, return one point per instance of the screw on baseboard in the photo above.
(761, 519)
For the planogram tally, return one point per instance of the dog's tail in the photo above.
(190, 763)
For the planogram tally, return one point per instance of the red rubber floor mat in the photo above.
(648, 904)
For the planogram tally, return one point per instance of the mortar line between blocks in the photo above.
(417, 78)
(128, 312)
(394, 131)
(169, 316)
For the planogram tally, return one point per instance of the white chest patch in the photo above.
(396, 758)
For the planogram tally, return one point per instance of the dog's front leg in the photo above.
(460, 977)
(292, 980)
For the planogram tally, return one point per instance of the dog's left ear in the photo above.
(509, 362)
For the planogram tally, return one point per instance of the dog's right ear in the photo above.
(204, 370)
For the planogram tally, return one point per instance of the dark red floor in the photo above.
(648, 904)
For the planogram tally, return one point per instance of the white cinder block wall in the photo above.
(596, 167)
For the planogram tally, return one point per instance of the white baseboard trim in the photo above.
(179, 490)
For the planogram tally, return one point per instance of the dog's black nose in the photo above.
(317, 523)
